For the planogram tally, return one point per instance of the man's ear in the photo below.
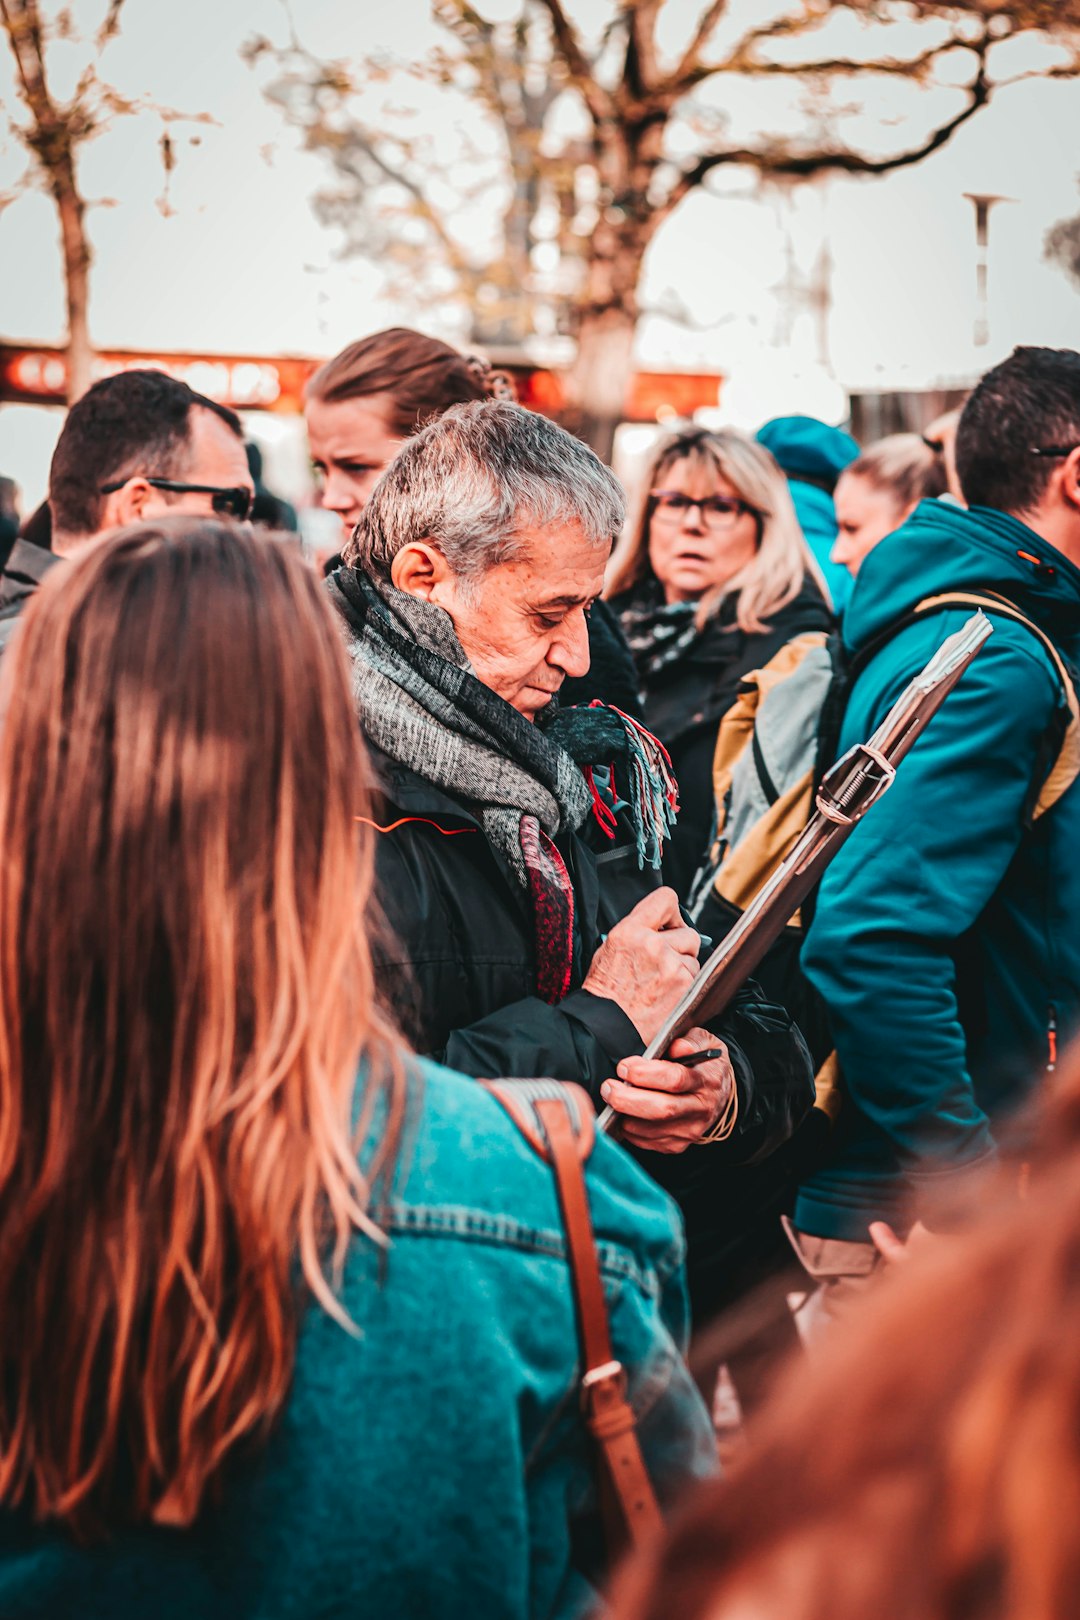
(126, 504)
(419, 569)
(1070, 480)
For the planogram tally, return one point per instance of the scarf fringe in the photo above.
(653, 792)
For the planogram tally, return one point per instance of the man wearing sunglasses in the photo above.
(136, 445)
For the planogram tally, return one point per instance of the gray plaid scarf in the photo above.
(420, 703)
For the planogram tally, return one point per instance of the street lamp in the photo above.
(982, 202)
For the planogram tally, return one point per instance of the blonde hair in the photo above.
(902, 465)
(782, 560)
(186, 987)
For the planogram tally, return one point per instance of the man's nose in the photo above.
(571, 652)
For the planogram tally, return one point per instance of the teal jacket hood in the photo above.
(947, 548)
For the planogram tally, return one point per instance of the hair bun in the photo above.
(496, 384)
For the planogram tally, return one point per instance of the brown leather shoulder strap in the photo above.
(549, 1116)
(628, 1502)
(1066, 767)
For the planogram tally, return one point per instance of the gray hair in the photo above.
(475, 481)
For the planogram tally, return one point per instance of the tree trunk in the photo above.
(76, 250)
(52, 137)
(599, 380)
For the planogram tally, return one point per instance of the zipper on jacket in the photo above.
(1051, 1038)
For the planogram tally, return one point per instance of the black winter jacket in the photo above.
(456, 964)
(684, 703)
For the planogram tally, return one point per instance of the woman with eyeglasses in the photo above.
(710, 579)
(289, 1328)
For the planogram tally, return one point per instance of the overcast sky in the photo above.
(242, 264)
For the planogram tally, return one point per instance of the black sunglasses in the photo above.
(1052, 449)
(232, 503)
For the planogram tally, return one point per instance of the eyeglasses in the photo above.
(717, 511)
(1052, 449)
(232, 503)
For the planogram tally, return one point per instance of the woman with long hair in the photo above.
(288, 1327)
(711, 578)
(365, 403)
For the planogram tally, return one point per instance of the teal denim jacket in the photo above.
(435, 1466)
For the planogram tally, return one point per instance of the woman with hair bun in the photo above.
(880, 489)
(361, 407)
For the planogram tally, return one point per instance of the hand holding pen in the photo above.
(669, 1104)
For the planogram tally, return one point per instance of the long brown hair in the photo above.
(186, 989)
(927, 1466)
(418, 377)
(783, 558)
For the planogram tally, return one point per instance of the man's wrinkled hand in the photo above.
(665, 1107)
(647, 962)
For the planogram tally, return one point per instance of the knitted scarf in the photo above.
(421, 705)
(658, 633)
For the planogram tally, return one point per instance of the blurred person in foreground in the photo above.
(518, 841)
(711, 579)
(289, 1328)
(135, 446)
(812, 455)
(361, 407)
(929, 1467)
(945, 941)
(879, 490)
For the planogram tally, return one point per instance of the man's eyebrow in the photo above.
(566, 601)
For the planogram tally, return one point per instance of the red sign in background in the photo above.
(36, 376)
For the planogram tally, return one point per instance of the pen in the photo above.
(694, 1058)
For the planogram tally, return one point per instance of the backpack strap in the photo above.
(1060, 756)
(558, 1122)
(1065, 768)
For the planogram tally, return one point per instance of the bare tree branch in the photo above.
(780, 160)
(910, 67)
(640, 74)
(690, 59)
(595, 97)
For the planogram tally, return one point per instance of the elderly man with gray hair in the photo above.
(518, 841)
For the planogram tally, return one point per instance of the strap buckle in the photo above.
(601, 1383)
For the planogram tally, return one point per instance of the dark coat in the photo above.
(458, 968)
(685, 701)
(26, 567)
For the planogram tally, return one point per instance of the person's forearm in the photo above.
(580, 1039)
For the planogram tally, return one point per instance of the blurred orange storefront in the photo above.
(38, 376)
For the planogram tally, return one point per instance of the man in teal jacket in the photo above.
(946, 941)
